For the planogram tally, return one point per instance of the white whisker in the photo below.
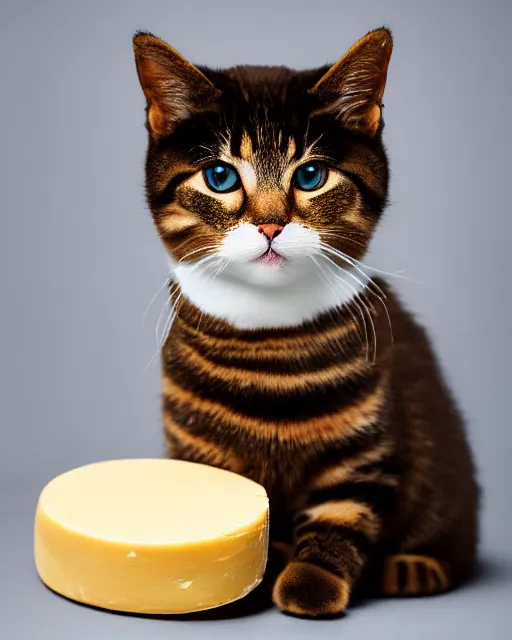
(167, 280)
(211, 246)
(358, 301)
(382, 297)
(326, 281)
(161, 335)
(354, 264)
(167, 328)
(365, 288)
(203, 263)
(341, 236)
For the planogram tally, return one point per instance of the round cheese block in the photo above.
(151, 536)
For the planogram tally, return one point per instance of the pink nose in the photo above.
(270, 230)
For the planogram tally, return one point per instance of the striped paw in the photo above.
(411, 575)
(304, 589)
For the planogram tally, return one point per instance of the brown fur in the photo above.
(365, 460)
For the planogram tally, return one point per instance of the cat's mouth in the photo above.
(271, 258)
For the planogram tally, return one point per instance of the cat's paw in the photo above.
(304, 589)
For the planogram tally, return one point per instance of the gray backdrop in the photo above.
(80, 261)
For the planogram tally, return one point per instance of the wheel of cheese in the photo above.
(151, 536)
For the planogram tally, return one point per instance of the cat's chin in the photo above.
(262, 273)
(251, 295)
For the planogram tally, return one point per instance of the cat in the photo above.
(285, 361)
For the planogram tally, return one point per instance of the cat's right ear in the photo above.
(352, 88)
(174, 88)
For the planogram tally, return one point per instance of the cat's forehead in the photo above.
(263, 161)
(266, 123)
(267, 102)
(263, 80)
(254, 74)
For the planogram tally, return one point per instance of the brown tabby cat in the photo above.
(266, 186)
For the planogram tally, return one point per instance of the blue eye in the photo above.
(310, 176)
(221, 178)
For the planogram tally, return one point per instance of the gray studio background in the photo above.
(80, 261)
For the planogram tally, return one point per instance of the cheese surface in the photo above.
(151, 536)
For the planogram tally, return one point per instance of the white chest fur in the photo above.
(252, 306)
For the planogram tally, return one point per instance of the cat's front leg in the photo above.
(335, 536)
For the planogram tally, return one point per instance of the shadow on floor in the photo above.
(489, 571)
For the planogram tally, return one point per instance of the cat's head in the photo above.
(265, 183)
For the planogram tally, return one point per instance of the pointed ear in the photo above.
(174, 88)
(352, 88)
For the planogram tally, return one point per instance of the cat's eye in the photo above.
(310, 176)
(221, 178)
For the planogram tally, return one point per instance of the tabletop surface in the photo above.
(29, 610)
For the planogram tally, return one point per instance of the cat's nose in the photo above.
(270, 230)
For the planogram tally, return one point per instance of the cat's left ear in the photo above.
(352, 89)
(174, 88)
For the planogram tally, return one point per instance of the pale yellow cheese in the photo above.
(151, 536)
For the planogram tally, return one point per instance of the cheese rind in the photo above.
(151, 536)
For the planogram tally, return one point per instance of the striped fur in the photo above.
(296, 381)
